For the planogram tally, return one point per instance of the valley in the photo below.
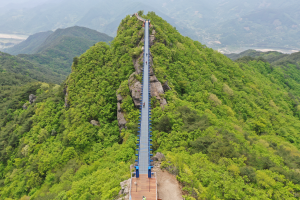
(10, 40)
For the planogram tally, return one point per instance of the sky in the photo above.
(21, 3)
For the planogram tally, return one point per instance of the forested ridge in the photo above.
(229, 131)
(56, 50)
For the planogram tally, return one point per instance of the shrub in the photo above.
(215, 100)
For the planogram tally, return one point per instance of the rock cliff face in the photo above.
(66, 97)
(152, 38)
(135, 88)
(157, 91)
(120, 114)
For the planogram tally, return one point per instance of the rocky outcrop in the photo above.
(121, 121)
(137, 64)
(95, 123)
(124, 192)
(152, 38)
(166, 87)
(158, 157)
(135, 88)
(32, 98)
(66, 97)
(120, 115)
(157, 91)
(25, 106)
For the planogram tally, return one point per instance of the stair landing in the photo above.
(143, 186)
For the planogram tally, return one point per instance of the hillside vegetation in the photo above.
(273, 57)
(11, 66)
(229, 131)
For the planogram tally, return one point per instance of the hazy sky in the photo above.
(21, 3)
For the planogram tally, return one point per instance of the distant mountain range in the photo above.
(224, 25)
(273, 57)
(56, 50)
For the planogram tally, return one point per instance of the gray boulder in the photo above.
(95, 123)
(158, 157)
(32, 98)
(24, 106)
(166, 87)
(121, 120)
(119, 98)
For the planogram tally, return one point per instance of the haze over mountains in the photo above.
(225, 25)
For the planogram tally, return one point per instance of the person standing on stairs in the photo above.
(144, 198)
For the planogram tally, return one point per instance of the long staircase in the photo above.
(143, 181)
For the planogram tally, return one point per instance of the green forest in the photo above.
(230, 129)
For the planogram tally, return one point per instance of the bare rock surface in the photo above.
(158, 157)
(153, 79)
(124, 192)
(121, 121)
(25, 106)
(66, 97)
(158, 91)
(152, 38)
(135, 88)
(119, 98)
(166, 87)
(32, 98)
(95, 123)
(120, 114)
(137, 65)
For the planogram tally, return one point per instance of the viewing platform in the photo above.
(143, 186)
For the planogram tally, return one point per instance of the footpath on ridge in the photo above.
(144, 142)
(143, 181)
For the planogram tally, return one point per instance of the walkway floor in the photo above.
(143, 187)
(144, 138)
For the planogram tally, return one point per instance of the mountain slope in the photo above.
(270, 56)
(57, 50)
(273, 57)
(229, 130)
(12, 65)
(30, 45)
